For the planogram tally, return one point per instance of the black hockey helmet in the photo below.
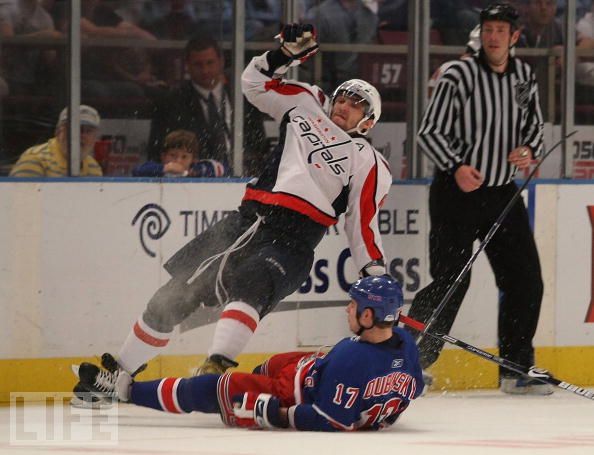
(500, 11)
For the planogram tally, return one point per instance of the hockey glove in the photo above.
(258, 409)
(298, 41)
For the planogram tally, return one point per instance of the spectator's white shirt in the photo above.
(585, 26)
(585, 70)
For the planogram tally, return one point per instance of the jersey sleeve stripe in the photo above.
(291, 202)
(285, 88)
(368, 211)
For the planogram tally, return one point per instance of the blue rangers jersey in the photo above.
(358, 385)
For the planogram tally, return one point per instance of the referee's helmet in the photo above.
(500, 11)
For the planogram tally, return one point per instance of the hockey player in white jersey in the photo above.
(322, 167)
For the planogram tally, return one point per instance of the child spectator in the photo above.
(179, 159)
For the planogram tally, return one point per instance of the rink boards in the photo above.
(80, 260)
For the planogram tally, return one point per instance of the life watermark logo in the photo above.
(48, 419)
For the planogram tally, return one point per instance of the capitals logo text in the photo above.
(316, 137)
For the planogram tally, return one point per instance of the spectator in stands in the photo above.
(581, 8)
(262, 19)
(114, 73)
(342, 22)
(455, 19)
(179, 158)
(178, 22)
(541, 28)
(140, 12)
(214, 18)
(393, 15)
(585, 68)
(50, 159)
(202, 105)
(25, 65)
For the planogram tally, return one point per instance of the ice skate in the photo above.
(100, 387)
(96, 387)
(524, 386)
(214, 364)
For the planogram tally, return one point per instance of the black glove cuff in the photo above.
(275, 60)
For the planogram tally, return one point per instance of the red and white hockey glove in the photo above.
(254, 409)
(298, 41)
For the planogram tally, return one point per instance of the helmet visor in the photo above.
(355, 98)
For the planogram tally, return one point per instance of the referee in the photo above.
(483, 123)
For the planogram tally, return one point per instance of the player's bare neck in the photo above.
(376, 335)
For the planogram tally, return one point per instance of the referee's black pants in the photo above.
(457, 219)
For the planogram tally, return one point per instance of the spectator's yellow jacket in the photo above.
(46, 160)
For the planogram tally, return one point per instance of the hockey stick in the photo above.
(532, 372)
(446, 298)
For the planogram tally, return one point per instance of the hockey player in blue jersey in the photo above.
(364, 382)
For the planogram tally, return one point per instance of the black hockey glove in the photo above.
(298, 41)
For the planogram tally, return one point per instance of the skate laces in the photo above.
(239, 243)
(105, 382)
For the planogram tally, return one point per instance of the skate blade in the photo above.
(76, 402)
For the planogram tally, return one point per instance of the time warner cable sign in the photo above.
(401, 220)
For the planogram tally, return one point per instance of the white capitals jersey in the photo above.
(318, 169)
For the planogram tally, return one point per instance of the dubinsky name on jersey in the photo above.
(317, 169)
(359, 385)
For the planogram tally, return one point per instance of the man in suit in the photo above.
(202, 105)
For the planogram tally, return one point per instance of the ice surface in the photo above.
(479, 422)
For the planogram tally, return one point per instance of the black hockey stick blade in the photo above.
(531, 372)
(446, 298)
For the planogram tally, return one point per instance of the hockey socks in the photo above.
(178, 395)
(234, 329)
(142, 344)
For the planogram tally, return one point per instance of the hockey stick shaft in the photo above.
(531, 372)
(446, 298)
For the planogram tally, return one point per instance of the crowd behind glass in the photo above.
(134, 56)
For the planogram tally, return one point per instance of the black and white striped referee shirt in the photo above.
(477, 117)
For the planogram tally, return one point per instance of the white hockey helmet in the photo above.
(366, 92)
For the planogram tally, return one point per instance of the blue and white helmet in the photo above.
(382, 294)
(368, 93)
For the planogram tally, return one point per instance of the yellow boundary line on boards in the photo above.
(455, 370)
